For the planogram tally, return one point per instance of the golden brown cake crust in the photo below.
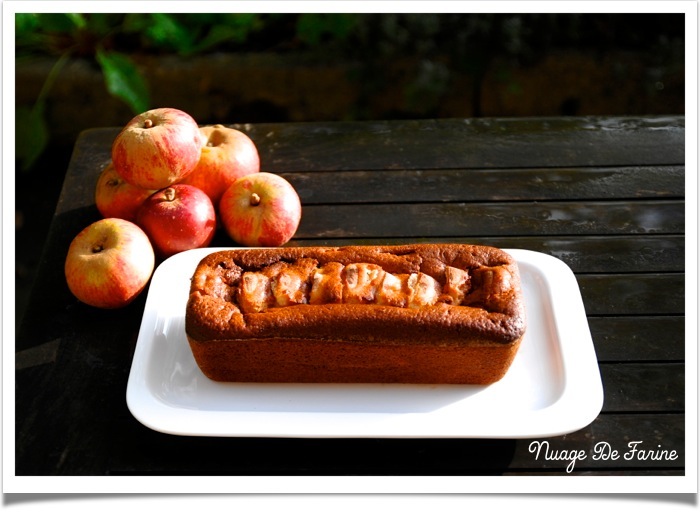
(339, 342)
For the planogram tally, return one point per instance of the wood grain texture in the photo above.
(606, 195)
(471, 143)
(479, 185)
(492, 219)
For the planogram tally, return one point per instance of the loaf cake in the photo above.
(423, 313)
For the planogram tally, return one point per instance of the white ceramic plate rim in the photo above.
(552, 388)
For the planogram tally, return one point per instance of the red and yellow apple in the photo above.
(157, 148)
(226, 155)
(177, 218)
(260, 210)
(115, 197)
(109, 263)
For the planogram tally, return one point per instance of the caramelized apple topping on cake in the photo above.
(304, 282)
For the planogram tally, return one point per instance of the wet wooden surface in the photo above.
(605, 195)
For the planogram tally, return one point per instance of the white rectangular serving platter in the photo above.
(552, 388)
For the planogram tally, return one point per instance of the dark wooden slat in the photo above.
(460, 143)
(643, 387)
(653, 338)
(616, 254)
(470, 143)
(91, 154)
(654, 430)
(60, 432)
(644, 294)
(441, 185)
(635, 179)
(662, 253)
(492, 219)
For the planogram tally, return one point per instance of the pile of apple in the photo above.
(169, 186)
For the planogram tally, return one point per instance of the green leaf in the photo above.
(25, 24)
(123, 80)
(102, 24)
(60, 22)
(166, 31)
(31, 135)
(222, 29)
(136, 22)
(220, 34)
(77, 19)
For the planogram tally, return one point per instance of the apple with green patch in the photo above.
(109, 263)
(260, 210)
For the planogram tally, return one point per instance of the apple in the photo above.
(109, 263)
(177, 218)
(157, 148)
(115, 197)
(227, 155)
(260, 210)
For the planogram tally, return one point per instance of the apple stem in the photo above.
(254, 199)
(97, 248)
(148, 123)
(169, 194)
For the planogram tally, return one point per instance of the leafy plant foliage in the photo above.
(109, 39)
(441, 44)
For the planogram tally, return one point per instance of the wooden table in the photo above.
(605, 195)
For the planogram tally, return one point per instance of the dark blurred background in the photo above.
(80, 71)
